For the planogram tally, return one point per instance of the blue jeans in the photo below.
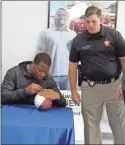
(62, 82)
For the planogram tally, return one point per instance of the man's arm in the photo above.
(9, 93)
(74, 59)
(73, 76)
(120, 44)
(41, 43)
(120, 48)
(123, 63)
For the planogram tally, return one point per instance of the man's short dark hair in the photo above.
(42, 57)
(92, 10)
(82, 17)
(61, 9)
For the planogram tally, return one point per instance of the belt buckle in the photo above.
(91, 83)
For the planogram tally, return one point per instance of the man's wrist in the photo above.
(73, 90)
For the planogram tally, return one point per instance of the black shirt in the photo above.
(99, 53)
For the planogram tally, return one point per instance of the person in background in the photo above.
(22, 83)
(101, 51)
(105, 22)
(78, 24)
(57, 43)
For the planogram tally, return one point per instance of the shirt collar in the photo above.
(55, 28)
(101, 33)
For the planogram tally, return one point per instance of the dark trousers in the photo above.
(124, 95)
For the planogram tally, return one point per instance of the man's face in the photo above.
(92, 24)
(61, 17)
(40, 70)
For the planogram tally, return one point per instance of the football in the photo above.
(46, 104)
(42, 103)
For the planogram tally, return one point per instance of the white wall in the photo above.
(21, 23)
(121, 17)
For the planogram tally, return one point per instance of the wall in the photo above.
(121, 18)
(21, 23)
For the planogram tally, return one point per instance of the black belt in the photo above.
(93, 83)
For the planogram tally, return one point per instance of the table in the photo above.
(25, 124)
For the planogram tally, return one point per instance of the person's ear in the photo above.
(33, 65)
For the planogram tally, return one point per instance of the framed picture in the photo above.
(76, 10)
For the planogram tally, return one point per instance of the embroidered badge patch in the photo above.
(107, 43)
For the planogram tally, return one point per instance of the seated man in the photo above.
(23, 83)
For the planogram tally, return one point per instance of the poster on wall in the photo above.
(76, 10)
(77, 115)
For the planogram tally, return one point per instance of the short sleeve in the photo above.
(41, 43)
(120, 44)
(74, 55)
(69, 44)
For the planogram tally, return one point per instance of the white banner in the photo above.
(78, 121)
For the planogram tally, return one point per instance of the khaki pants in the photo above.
(93, 99)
